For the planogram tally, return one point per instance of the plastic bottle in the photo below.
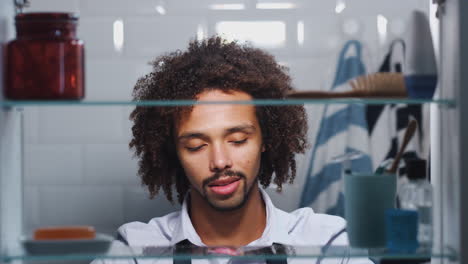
(417, 195)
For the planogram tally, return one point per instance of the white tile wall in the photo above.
(100, 206)
(321, 36)
(109, 164)
(54, 6)
(111, 8)
(280, 19)
(98, 36)
(31, 208)
(53, 164)
(287, 199)
(31, 122)
(138, 207)
(375, 7)
(79, 124)
(308, 74)
(127, 123)
(186, 7)
(78, 168)
(368, 36)
(113, 79)
(151, 36)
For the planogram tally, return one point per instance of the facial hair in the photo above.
(246, 192)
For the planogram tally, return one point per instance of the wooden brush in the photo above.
(378, 85)
(410, 129)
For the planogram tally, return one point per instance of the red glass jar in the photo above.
(46, 60)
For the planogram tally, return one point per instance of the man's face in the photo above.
(219, 147)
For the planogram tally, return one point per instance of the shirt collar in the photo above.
(184, 228)
(276, 229)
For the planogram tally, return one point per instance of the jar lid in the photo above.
(46, 16)
(416, 169)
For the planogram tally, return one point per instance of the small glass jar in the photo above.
(46, 60)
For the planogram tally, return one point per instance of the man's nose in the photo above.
(220, 159)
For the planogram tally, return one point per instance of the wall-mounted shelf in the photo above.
(309, 252)
(444, 102)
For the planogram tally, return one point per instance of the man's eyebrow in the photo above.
(190, 135)
(241, 128)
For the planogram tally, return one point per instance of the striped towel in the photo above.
(389, 121)
(343, 129)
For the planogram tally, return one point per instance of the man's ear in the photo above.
(263, 147)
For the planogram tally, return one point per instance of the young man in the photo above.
(216, 156)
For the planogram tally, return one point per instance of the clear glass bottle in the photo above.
(417, 195)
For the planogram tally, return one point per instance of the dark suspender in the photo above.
(184, 248)
(123, 240)
(328, 244)
(279, 250)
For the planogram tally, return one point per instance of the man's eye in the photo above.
(239, 142)
(194, 148)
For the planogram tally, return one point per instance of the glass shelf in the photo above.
(279, 102)
(245, 253)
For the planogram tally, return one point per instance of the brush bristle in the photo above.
(380, 85)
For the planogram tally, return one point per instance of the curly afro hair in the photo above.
(214, 63)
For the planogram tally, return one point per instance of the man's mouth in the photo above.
(225, 185)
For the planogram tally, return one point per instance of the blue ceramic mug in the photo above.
(367, 197)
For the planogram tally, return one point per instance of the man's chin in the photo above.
(227, 205)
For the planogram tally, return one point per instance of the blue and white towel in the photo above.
(343, 129)
(389, 121)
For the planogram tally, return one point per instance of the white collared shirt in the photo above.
(301, 227)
